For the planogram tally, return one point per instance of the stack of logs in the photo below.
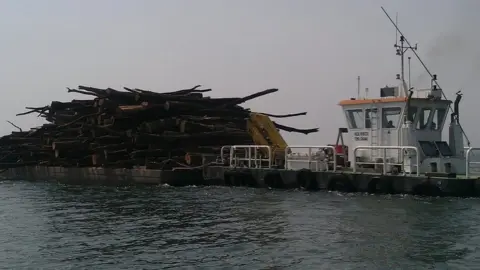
(124, 129)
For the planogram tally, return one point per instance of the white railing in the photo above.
(251, 157)
(384, 157)
(468, 162)
(309, 158)
(222, 151)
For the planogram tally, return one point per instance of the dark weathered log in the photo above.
(34, 110)
(16, 164)
(291, 129)
(127, 164)
(284, 115)
(156, 153)
(178, 106)
(83, 117)
(14, 125)
(62, 106)
(134, 127)
(111, 147)
(85, 102)
(83, 92)
(250, 97)
(116, 155)
(119, 95)
(159, 126)
(68, 153)
(20, 133)
(68, 145)
(189, 91)
(98, 92)
(110, 139)
(19, 140)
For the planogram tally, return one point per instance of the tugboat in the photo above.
(395, 145)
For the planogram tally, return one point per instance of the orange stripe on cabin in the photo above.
(371, 100)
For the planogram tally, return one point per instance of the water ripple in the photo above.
(51, 226)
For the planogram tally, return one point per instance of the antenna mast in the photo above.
(358, 87)
(409, 74)
(396, 32)
(401, 50)
(402, 37)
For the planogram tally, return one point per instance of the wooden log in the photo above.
(85, 92)
(194, 159)
(98, 92)
(159, 126)
(109, 139)
(156, 153)
(20, 133)
(127, 164)
(116, 155)
(84, 102)
(62, 106)
(126, 97)
(97, 159)
(69, 154)
(284, 115)
(292, 129)
(68, 145)
(5, 165)
(250, 97)
(112, 147)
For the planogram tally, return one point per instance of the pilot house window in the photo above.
(391, 117)
(371, 118)
(412, 112)
(355, 118)
(423, 118)
(438, 118)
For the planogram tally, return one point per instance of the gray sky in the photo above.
(312, 50)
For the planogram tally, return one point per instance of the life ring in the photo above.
(188, 158)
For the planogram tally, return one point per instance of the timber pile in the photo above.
(124, 129)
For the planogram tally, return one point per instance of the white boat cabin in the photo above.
(384, 132)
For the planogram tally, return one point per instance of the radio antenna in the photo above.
(432, 76)
(396, 32)
(416, 55)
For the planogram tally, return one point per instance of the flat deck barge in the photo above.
(394, 145)
(216, 175)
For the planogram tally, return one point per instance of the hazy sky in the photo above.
(312, 50)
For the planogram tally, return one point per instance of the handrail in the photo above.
(248, 150)
(385, 148)
(222, 150)
(309, 147)
(468, 162)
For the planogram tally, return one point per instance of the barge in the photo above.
(393, 144)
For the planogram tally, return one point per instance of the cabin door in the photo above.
(373, 123)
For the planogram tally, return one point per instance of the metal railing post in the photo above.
(309, 159)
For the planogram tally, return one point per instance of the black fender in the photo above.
(427, 188)
(380, 185)
(306, 179)
(273, 180)
(340, 182)
(239, 178)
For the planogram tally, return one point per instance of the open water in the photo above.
(51, 226)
